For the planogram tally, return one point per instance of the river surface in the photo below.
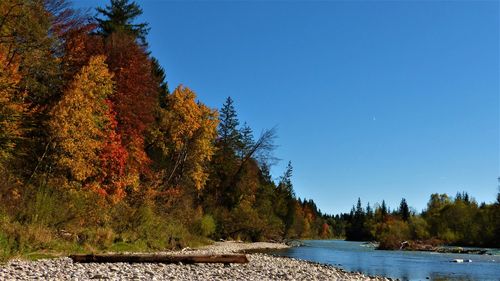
(404, 265)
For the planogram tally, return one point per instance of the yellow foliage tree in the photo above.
(185, 138)
(11, 105)
(79, 122)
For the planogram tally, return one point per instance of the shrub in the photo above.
(393, 233)
(419, 228)
(207, 225)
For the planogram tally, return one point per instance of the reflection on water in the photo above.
(404, 265)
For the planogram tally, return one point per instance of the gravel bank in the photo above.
(260, 267)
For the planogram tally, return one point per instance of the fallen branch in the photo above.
(141, 258)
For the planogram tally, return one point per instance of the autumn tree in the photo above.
(11, 106)
(137, 79)
(80, 120)
(184, 139)
(134, 98)
(79, 46)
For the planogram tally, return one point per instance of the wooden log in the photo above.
(151, 258)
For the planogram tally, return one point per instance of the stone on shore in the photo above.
(260, 267)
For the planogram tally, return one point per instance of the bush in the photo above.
(207, 225)
(419, 228)
(393, 233)
(100, 238)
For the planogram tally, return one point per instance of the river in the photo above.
(404, 265)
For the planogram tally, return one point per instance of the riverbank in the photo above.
(430, 246)
(260, 267)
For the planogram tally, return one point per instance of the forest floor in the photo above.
(260, 267)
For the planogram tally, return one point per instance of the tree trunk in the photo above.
(152, 258)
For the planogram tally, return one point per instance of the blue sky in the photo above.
(372, 99)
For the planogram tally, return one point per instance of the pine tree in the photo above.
(369, 211)
(383, 209)
(161, 78)
(119, 17)
(286, 199)
(229, 135)
(404, 210)
(247, 142)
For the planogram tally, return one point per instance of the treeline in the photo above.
(457, 221)
(97, 153)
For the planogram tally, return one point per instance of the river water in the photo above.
(404, 265)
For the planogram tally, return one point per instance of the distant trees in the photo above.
(357, 229)
(459, 221)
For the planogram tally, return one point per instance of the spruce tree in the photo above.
(119, 16)
(404, 210)
(383, 209)
(229, 135)
(247, 142)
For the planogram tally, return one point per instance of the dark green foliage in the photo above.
(357, 229)
(119, 17)
(455, 221)
(161, 77)
(404, 210)
(229, 135)
(383, 210)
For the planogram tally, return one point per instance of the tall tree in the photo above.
(383, 210)
(184, 139)
(134, 98)
(229, 135)
(79, 120)
(285, 201)
(161, 78)
(247, 141)
(28, 40)
(404, 210)
(11, 106)
(119, 17)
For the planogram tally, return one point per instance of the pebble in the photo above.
(260, 267)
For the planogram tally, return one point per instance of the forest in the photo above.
(97, 152)
(458, 220)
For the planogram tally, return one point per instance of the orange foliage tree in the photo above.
(134, 98)
(79, 122)
(11, 105)
(184, 139)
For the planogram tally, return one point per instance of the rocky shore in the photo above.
(260, 267)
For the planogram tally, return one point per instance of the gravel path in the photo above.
(260, 267)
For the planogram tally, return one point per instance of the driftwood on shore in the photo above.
(430, 247)
(152, 258)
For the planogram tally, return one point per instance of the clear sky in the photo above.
(372, 99)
